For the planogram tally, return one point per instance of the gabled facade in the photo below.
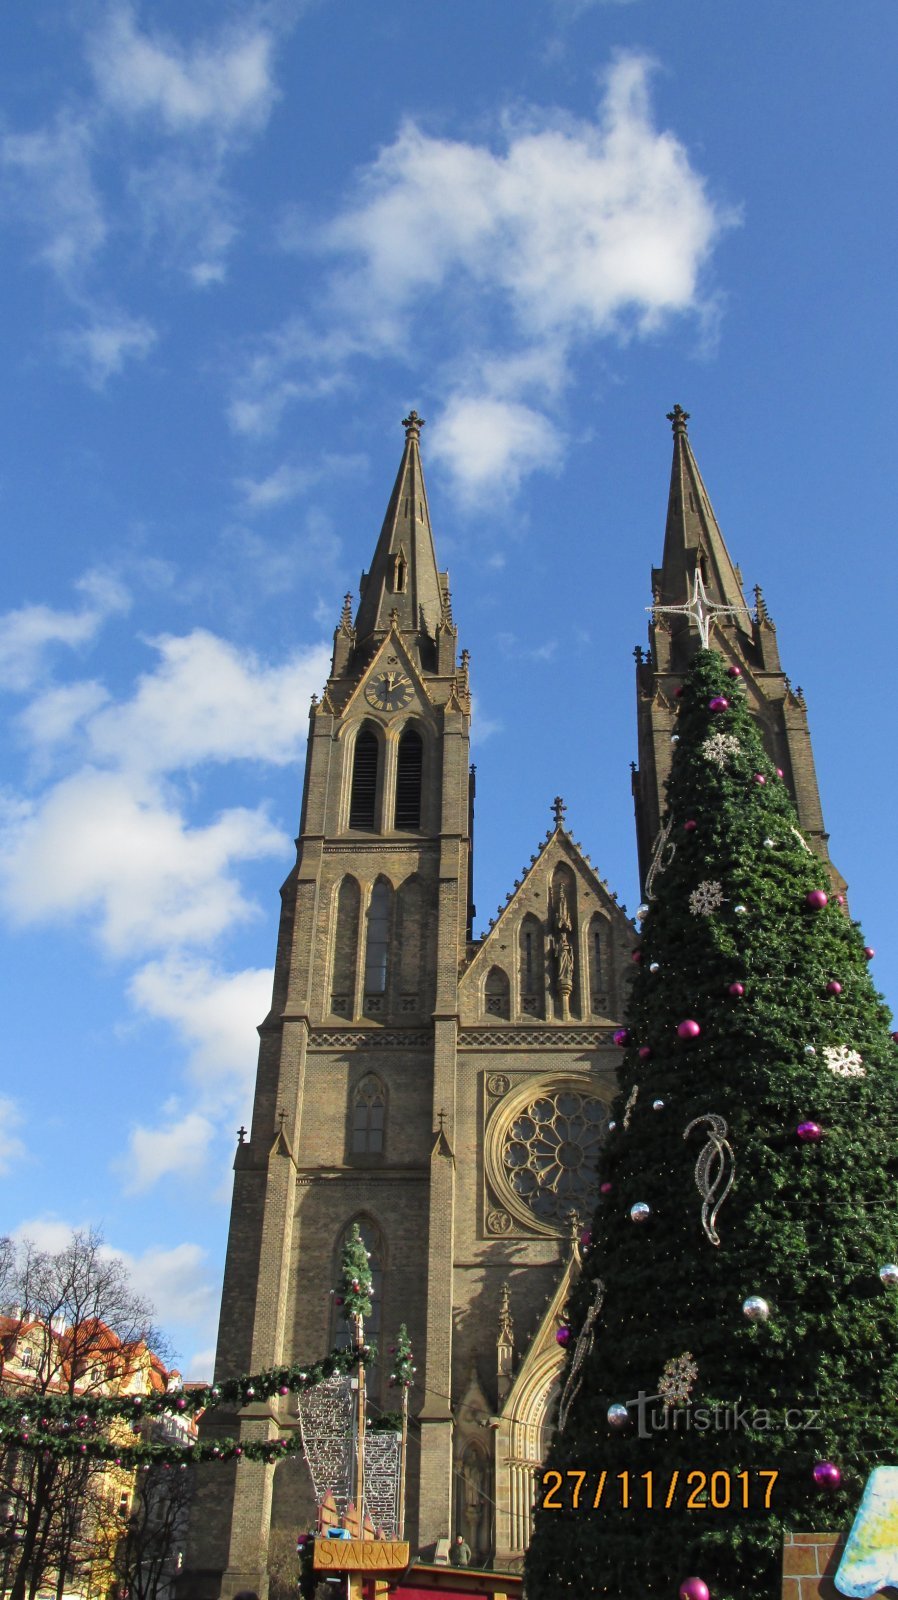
(446, 1093)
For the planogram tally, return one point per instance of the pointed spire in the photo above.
(692, 538)
(403, 576)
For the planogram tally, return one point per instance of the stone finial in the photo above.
(506, 1326)
(346, 614)
(761, 605)
(413, 425)
(558, 810)
(241, 1135)
(678, 418)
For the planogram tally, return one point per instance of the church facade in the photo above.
(446, 1093)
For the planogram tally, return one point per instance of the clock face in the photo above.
(389, 691)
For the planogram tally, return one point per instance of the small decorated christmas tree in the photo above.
(733, 1345)
(354, 1290)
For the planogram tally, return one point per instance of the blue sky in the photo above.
(238, 244)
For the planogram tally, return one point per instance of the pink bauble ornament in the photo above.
(694, 1589)
(621, 1036)
(181, 1405)
(760, 778)
(737, 990)
(779, 772)
(869, 951)
(645, 1052)
(689, 826)
(678, 692)
(718, 702)
(563, 1337)
(840, 899)
(834, 986)
(283, 1389)
(734, 672)
(605, 1188)
(637, 957)
(827, 1475)
(895, 1038)
(816, 899)
(586, 1239)
(809, 1132)
(688, 1029)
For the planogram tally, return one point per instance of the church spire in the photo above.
(403, 578)
(692, 538)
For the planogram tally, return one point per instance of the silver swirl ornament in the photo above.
(582, 1350)
(663, 847)
(715, 1170)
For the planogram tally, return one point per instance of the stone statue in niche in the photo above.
(564, 952)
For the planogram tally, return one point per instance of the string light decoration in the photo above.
(383, 1452)
(325, 1423)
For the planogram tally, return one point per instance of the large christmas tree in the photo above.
(733, 1346)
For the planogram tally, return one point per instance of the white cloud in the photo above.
(578, 226)
(180, 1148)
(105, 344)
(27, 633)
(285, 483)
(224, 87)
(208, 701)
(11, 1147)
(53, 718)
(560, 232)
(488, 443)
(185, 207)
(48, 186)
(102, 845)
(216, 1012)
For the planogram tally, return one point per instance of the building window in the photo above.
(531, 967)
(598, 978)
(346, 938)
(368, 1116)
(364, 781)
(378, 942)
(409, 768)
(495, 993)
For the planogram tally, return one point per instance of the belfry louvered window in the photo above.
(364, 781)
(409, 767)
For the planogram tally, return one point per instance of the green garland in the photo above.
(68, 1408)
(83, 1446)
(403, 1374)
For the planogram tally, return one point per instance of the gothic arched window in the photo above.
(598, 964)
(377, 945)
(496, 993)
(531, 966)
(369, 1105)
(409, 769)
(346, 940)
(363, 796)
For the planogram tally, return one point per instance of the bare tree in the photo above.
(142, 1550)
(92, 1334)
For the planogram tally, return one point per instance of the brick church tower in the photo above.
(445, 1093)
(696, 577)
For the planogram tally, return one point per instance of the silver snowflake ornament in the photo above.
(676, 1381)
(721, 748)
(845, 1063)
(706, 899)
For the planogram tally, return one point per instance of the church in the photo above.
(446, 1093)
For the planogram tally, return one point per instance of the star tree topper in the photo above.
(701, 610)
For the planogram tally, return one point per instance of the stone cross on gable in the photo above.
(700, 609)
(558, 810)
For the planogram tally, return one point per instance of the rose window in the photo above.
(549, 1153)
